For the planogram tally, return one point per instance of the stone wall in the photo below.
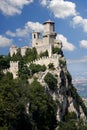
(13, 69)
(47, 60)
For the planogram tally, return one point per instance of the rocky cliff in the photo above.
(57, 82)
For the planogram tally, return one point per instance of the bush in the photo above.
(70, 116)
(51, 81)
(37, 68)
(62, 62)
(31, 55)
(69, 77)
(56, 50)
(51, 66)
(44, 54)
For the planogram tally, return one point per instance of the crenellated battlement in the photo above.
(47, 60)
(14, 67)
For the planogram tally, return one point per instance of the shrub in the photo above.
(56, 50)
(37, 68)
(51, 81)
(62, 62)
(51, 66)
(69, 77)
(44, 54)
(70, 116)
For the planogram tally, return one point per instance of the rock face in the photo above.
(65, 95)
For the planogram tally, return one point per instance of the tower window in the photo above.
(36, 43)
(34, 36)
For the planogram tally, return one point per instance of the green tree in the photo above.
(44, 54)
(37, 68)
(4, 62)
(51, 66)
(42, 108)
(31, 55)
(51, 81)
(13, 100)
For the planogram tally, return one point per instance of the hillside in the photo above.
(42, 97)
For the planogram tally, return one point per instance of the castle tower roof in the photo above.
(49, 21)
(13, 46)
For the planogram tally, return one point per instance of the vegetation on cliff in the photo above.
(28, 105)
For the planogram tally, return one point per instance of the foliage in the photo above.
(51, 66)
(4, 62)
(72, 125)
(16, 94)
(77, 99)
(70, 116)
(44, 54)
(24, 71)
(42, 108)
(16, 57)
(37, 68)
(13, 98)
(69, 77)
(51, 81)
(62, 62)
(31, 55)
(56, 50)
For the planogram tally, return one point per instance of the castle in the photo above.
(46, 42)
(42, 43)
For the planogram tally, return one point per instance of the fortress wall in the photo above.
(14, 68)
(6, 70)
(47, 60)
(13, 50)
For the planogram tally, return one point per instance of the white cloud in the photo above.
(66, 45)
(34, 26)
(12, 7)
(44, 2)
(83, 43)
(10, 33)
(25, 32)
(60, 8)
(5, 41)
(82, 60)
(79, 21)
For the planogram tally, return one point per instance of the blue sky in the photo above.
(19, 17)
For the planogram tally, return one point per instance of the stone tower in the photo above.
(14, 68)
(13, 50)
(49, 33)
(47, 40)
(23, 50)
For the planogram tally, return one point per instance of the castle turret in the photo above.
(49, 33)
(13, 50)
(23, 50)
(14, 68)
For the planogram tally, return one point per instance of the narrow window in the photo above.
(34, 36)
